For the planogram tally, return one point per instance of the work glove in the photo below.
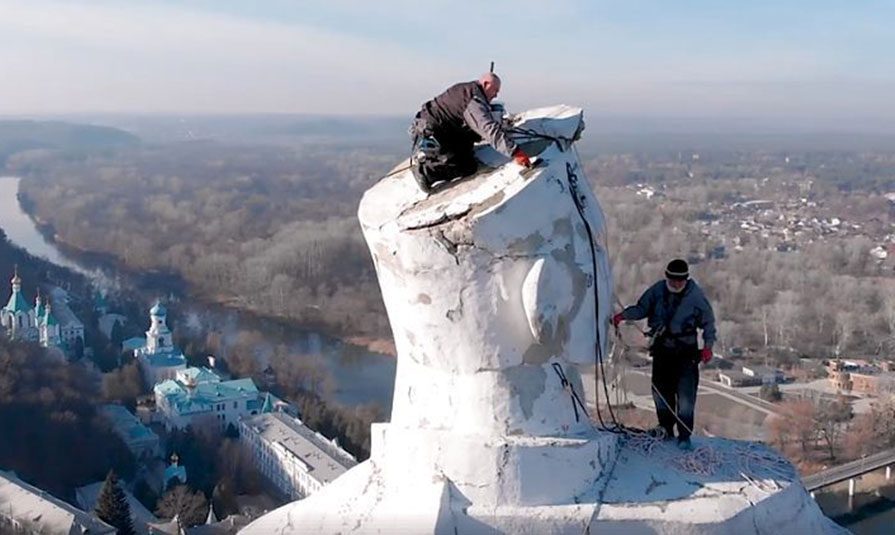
(705, 354)
(618, 318)
(521, 158)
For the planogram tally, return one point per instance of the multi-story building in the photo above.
(70, 331)
(198, 397)
(297, 460)
(142, 442)
(871, 384)
(861, 377)
(839, 376)
(158, 358)
(28, 509)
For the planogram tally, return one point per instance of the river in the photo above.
(358, 376)
(871, 511)
(20, 229)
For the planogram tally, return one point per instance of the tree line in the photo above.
(827, 298)
(272, 229)
(52, 434)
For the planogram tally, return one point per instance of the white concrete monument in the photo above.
(497, 288)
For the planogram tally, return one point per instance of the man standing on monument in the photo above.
(675, 308)
(447, 127)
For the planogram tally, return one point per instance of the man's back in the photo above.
(444, 113)
(447, 127)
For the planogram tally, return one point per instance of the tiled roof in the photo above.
(125, 423)
(17, 303)
(167, 359)
(198, 375)
(202, 396)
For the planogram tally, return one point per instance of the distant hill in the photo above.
(280, 129)
(22, 135)
(603, 134)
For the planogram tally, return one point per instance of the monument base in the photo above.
(644, 486)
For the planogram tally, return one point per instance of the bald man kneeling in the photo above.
(448, 126)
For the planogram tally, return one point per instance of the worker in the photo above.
(445, 130)
(675, 308)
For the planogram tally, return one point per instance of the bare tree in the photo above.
(189, 507)
(785, 312)
(235, 465)
(842, 333)
(124, 384)
(830, 419)
(795, 426)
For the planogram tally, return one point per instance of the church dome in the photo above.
(158, 310)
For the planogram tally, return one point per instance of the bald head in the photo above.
(490, 83)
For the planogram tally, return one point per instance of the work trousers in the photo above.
(675, 380)
(453, 157)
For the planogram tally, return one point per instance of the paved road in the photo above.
(752, 402)
(745, 399)
(850, 470)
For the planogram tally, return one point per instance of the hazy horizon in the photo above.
(604, 123)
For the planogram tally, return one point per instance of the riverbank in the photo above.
(112, 270)
(359, 375)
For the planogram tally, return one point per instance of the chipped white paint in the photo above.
(487, 285)
(546, 297)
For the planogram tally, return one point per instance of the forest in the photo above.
(827, 297)
(41, 136)
(267, 229)
(52, 435)
(272, 229)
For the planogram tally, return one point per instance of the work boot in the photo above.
(660, 433)
(684, 444)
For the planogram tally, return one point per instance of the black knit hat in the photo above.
(677, 270)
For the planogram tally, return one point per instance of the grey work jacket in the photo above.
(462, 115)
(694, 311)
(479, 119)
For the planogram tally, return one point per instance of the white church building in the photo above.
(158, 358)
(198, 397)
(52, 327)
(18, 318)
